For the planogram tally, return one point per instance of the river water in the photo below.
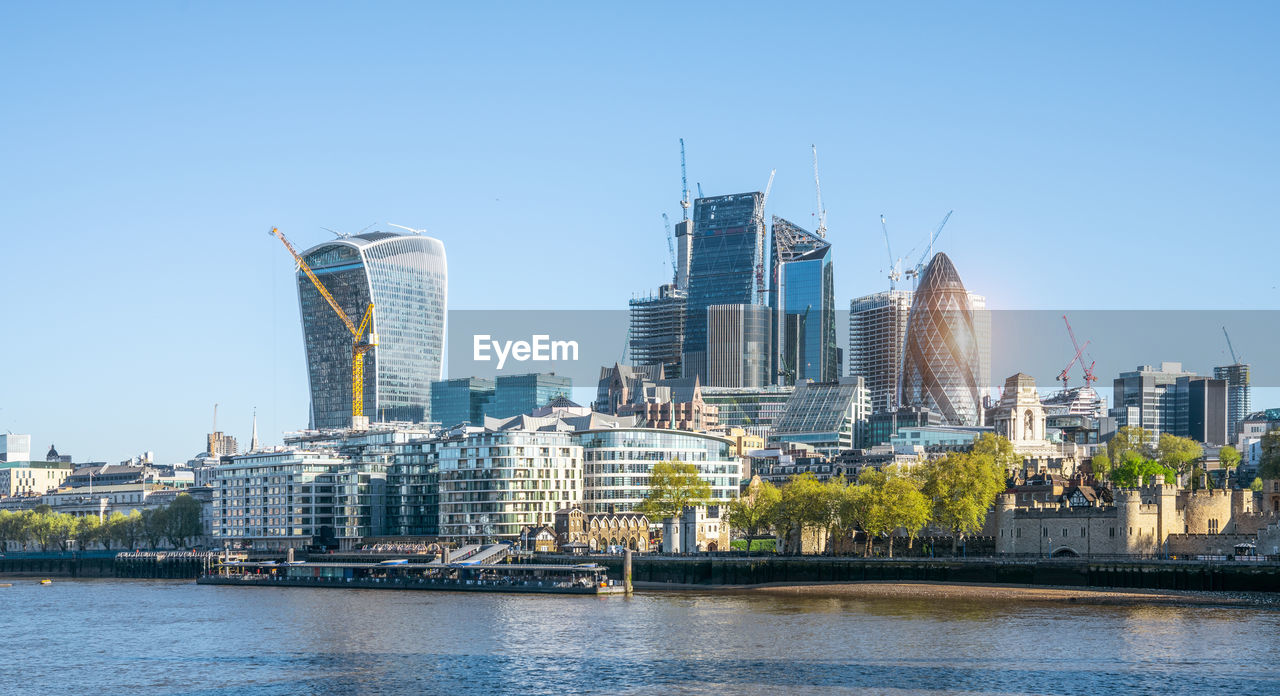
(169, 637)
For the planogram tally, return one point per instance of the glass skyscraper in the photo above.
(405, 276)
(802, 294)
(942, 358)
(517, 394)
(728, 252)
(455, 401)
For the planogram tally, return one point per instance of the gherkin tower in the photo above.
(940, 361)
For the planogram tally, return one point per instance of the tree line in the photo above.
(953, 493)
(177, 523)
(1134, 457)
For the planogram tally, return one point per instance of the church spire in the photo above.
(253, 441)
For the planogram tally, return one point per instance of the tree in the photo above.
(1269, 464)
(754, 512)
(1135, 470)
(909, 509)
(845, 509)
(109, 532)
(803, 506)
(11, 524)
(1130, 438)
(1178, 453)
(182, 520)
(962, 488)
(42, 528)
(1100, 464)
(129, 529)
(1229, 458)
(153, 526)
(673, 486)
(999, 449)
(1256, 485)
(86, 530)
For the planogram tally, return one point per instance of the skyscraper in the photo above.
(657, 330)
(405, 277)
(941, 363)
(1238, 395)
(1147, 397)
(802, 295)
(725, 267)
(830, 416)
(738, 340)
(877, 332)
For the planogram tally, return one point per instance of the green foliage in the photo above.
(1178, 453)
(767, 545)
(804, 505)
(999, 449)
(673, 486)
(1229, 457)
(1256, 486)
(1128, 439)
(1269, 465)
(1101, 465)
(755, 511)
(962, 488)
(1135, 470)
(892, 501)
(182, 520)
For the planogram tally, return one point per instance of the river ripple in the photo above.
(160, 637)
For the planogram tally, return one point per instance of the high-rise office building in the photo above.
(1201, 409)
(877, 333)
(738, 340)
(405, 278)
(802, 294)
(657, 330)
(942, 359)
(1237, 377)
(514, 395)
(1147, 397)
(726, 265)
(462, 400)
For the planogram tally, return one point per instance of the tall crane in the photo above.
(361, 342)
(895, 265)
(671, 249)
(760, 230)
(1235, 360)
(1089, 377)
(700, 190)
(822, 212)
(914, 273)
(684, 186)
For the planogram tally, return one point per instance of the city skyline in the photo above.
(1145, 151)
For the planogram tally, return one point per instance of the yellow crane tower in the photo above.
(358, 346)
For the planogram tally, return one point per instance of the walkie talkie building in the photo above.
(405, 276)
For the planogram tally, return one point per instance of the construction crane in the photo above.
(684, 188)
(760, 229)
(895, 265)
(408, 229)
(671, 249)
(1235, 360)
(822, 212)
(700, 190)
(361, 342)
(1089, 377)
(914, 273)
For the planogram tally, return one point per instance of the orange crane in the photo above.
(360, 342)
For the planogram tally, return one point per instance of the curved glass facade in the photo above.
(940, 361)
(405, 276)
(617, 464)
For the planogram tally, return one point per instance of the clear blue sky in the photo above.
(1097, 155)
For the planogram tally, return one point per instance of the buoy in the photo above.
(46, 581)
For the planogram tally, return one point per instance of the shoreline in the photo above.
(950, 591)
